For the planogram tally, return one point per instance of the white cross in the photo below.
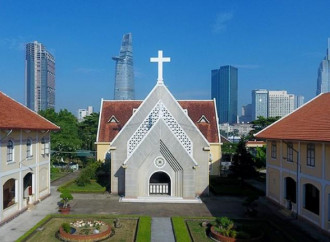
(160, 59)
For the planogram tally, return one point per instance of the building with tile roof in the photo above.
(24, 157)
(298, 161)
(159, 148)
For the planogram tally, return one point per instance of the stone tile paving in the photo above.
(161, 230)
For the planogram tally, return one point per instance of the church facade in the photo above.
(159, 146)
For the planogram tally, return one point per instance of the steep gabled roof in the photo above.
(311, 122)
(123, 110)
(14, 115)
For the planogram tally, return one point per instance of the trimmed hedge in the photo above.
(144, 229)
(180, 229)
(30, 231)
(80, 189)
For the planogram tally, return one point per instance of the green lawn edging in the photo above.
(85, 189)
(180, 229)
(30, 231)
(144, 229)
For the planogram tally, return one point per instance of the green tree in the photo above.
(88, 131)
(66, 141)
(260, 159)
(243, 164)
(259, 124)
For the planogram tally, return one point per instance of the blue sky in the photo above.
(276, 45)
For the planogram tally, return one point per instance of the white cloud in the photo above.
(14, 43)
(247, 66)
(222, 21)
(88, 70)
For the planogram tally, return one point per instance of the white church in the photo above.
(159, 148)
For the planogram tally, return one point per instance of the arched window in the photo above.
(28, 148)
(10, 151)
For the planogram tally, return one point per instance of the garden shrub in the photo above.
(66, 227)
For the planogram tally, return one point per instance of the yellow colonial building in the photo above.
(24, 157)
(298, 161)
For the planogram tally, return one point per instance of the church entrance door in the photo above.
(160, 184)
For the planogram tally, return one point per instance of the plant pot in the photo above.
(219, 237)
(64, 210)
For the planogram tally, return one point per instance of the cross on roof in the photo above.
(160, 59)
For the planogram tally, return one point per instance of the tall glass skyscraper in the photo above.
(39, 77)
(224, 88)
(259, 103)
(124, 79)
(323, 79)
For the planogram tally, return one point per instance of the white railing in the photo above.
(158, 188)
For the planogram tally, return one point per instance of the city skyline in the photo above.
(275, 46)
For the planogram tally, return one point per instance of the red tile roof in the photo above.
(123, 110)
(14, 115)
(311, 122)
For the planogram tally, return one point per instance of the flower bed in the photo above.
(86, 230)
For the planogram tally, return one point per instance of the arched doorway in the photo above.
(27, 185)
(290, 189)
(312, 198)
(160, 184)
(9, 192)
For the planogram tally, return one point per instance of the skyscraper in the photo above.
(280, 103)
(299, 101)
(224, 88)
(259, 103)
(124, 77)
(39, 77)
(323, 79)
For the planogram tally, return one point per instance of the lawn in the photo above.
(272, 233)
(54, 176)
(231, 187)
(93, 187)
(47, 231)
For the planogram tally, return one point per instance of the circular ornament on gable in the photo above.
(159, 162)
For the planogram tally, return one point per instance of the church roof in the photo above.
(311, 122)
(14, 115)
(123, 110)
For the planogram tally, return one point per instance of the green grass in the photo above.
(272, 233)
(58, 175)
(180, 230)
(47, 228)
(72, 187)
(144, 229)
(232, 187)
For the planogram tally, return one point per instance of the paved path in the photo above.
(15, 228)
(161, 230)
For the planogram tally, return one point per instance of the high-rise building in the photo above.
(124, 77)
(259, 103)
(323, 79)
(280, 103)
(246, 114)
(224, 88)
(39, 77)
(299, 101)
(82, 113)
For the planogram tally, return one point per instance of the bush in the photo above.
(66, 227)
(83, 179)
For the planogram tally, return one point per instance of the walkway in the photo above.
(15, 228)
(161, 230)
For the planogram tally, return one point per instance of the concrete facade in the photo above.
(25, 177)
(160, 129)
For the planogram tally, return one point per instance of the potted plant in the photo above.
(64, 206)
